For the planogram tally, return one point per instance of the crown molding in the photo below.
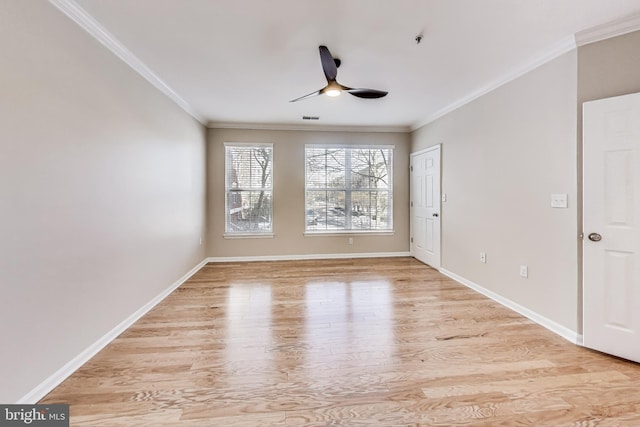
(607, 30)
(564, 46)
(91, 26)
(617, 27)
(312, 128)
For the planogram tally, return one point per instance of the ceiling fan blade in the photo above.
(367, 93)
(311, 95)
(328, 64)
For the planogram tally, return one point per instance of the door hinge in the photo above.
(411, 168)
(412, 240)
(411, 204)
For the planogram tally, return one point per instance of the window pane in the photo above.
(248, 167)
(325, 210)
(360, 210)
(325, 168)
(381, 215)
(249, 211)
(249, 189)
(370, 168)
(316, 168)
(316, 204)
(360, 169)
(335, 168)
(334, 214)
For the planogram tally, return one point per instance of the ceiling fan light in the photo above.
(333, 92)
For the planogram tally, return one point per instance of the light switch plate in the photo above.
(524, 271)
(559, 201)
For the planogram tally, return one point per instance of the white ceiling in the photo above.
(241, 61)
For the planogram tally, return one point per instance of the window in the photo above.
(348, 188)
(249, 189)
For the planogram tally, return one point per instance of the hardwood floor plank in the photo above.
(151, 417)
(604, 379)
(385, 342)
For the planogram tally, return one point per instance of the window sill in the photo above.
(349, 233)
(249, 236)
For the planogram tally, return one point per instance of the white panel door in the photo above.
(611, 247)
(425, 206)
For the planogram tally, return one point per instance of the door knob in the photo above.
(595, 237)
(435, 215)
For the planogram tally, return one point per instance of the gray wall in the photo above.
(503, 155)
(101, 193)
(609, 68)
(288, 196)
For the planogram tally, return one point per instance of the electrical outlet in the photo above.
(524, 271)
(351, 240)
(559, 201)
(483, 257)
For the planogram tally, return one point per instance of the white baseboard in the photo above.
(308, 257)
(555, 327)
(70, 367)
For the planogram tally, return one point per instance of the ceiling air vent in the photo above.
(310, 118)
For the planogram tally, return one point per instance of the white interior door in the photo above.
(611, 286)
(425, 206)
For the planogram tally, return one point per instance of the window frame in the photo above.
(347, 147)
(253, 233)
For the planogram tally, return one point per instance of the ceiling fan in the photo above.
(333, 88)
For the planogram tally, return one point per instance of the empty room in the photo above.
(328, 214)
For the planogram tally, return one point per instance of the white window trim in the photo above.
(356, 146)
(348, 233)
(269, 235)
(249, 144)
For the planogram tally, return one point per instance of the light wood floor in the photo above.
(368, 342)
